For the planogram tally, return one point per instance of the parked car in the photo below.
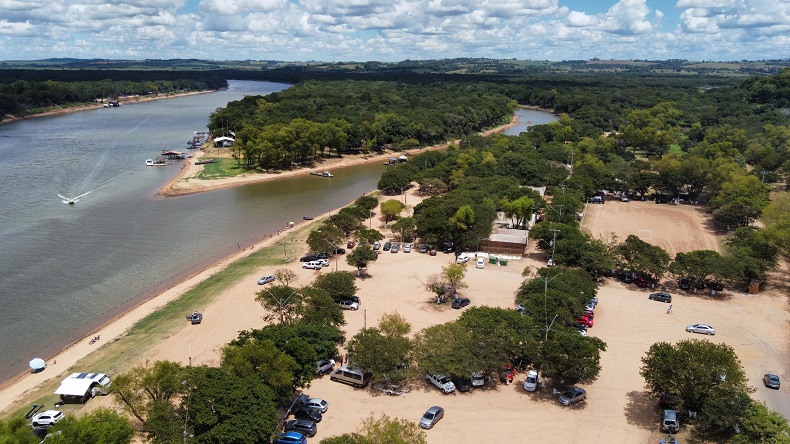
(670, 423)
(266, 279)
(432, 250)
(684, 284)
(318, 405)
(771, 381)
(462, 384)
(324, 366)
(314, 265)
(668, 401)
(308, 258)
(407, 248)
(661, 297)
(387, 246)
(290, 438)
(305, 412)
(531, 383)
(508, 373)
(704, 329)
(624, 198)
(340, 251)
(423, 248)
(46, 418)
(448, 247)
(376, 245)
(585, 321)
(478, 380)
(431, 417)
(323, 262)
(351, 244)
(348, 304)
(394, 248)
(460, 303)
(354, 298)
(481, 263)
(596, 200)
(303, 426)
(715, 286)
(573, 395)
(462, 258)
(441, 382)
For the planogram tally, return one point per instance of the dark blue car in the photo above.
(290, 438)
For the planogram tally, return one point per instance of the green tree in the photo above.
(464, 218)
(339, 284)
(344, 221)
(263, 360)
(383, 430)
(697, 264)
(569, 359)
(692, 369)
(763, 425)
(368, 235)
(318, 307)
(519, 211)
(454, 275)
(100, 426)
(281, 302)
(386, 356)
(405, 228)
(391, 209)
(642, 257)
(361, 256)
(326, 238)
(740, 201)
(367, 202)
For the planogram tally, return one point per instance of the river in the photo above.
(67, 269)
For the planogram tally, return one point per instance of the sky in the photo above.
(395, 30)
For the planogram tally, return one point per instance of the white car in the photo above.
(480, 262)
(347, 304)
(324, 366)
(407, 248)
(266, 279)
(46, 418)
(318, 405)
(531, 383)
(462, 258)
(324, 262)
(441, 382)
(314, 265)
(704, 329)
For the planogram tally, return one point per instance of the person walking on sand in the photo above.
(669, 310)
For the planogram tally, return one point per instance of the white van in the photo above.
(315, 265)
(353, 376)
(480, 262)
(670, 423)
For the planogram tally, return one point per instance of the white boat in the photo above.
(324, 174)
(152, 162)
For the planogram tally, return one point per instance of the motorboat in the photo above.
(157, 162)
(322, 174)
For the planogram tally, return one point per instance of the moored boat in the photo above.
(322, 174)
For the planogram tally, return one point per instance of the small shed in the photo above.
(74, 390)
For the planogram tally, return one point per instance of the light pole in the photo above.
(285, 255)
(546, 281)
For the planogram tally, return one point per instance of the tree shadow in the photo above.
(641, 410)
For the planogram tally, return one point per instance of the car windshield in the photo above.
(428, 415)
(569, 394)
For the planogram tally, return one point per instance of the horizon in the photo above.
(390, 31)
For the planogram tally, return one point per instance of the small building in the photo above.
(505, 239)
(223, 141)
(80, 387)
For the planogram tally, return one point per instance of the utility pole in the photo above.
(553, 245)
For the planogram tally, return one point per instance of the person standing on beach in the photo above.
(669, 310)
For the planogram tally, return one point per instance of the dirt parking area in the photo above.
(617, 409)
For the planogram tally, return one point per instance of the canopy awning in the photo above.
(74, 387)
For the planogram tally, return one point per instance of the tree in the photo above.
(361, 256)
(339, 284)
(569, 359)
(367, 202)
(284, 276)
(697, 264)
(386, 356)
(219, 406)
(326, 238)
(454, 275)
(391, 208)
(642, 257)
(318, 307)
(384, 430)
(761, 424)
(692, 369)
(100, 426)
(281, 302)
(149, 393)
(345, 221)
(740, 201)
(405, 228)
(463, 218)
(263, 360)
(368, 235)
(519, 210)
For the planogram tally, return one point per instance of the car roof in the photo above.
(434, 409)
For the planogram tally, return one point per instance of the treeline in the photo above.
(40, 89)
(307, 119)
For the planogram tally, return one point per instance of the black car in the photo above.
(340, 251)
(448, 247)
(433, 250)
(304, 426)
(423, 248)
(684, 284)
(661, 297)
(309, 258)
(461, 302)
(387, 246)
(462, 384)
(304, 412)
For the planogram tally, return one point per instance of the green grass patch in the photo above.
(223, 167)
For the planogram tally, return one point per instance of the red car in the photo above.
(508, 373)
(588, 321)
(589, 313)
(350, 244)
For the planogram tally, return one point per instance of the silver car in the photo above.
(704, 329)
(431, 417)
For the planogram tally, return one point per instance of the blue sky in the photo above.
(394, 30)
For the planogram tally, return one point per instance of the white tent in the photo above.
(74, 387)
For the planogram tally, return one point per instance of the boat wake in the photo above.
(73, 200)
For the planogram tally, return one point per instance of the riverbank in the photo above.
(187, 180)
(126, 100)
